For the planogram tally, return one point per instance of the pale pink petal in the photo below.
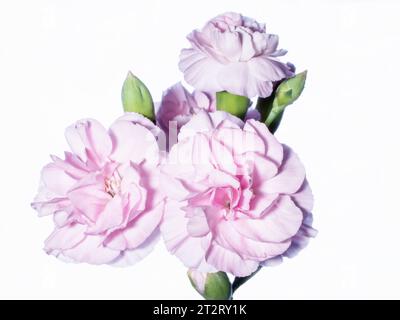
(54, 205)
(223, 157)
(136, 118)
(62, 218)
(131, 256)
(128, 138)
(239, 141)
(266, 69)
(66, 237)
(290, 177)
(228, 79)
(272, 262)
(56, 180)
(228, 237)
(191, 250)
(253, 114)
(197, 225)
(219, 178)
(172, 187)
(262, 168)
(260, 203)
(193, 63)
(228, 261)
(303, 236)
(274, 149)
(304, 197)
(201, 122)
(71, 166)
(204, 101)
(229, 44)
(137, 230)
(248, 50)
(280, 223)
(224, 119)
(89, 135)
(90, 197)
(132, 186)
(112, 216)
(272, 41)
(92, 250)
(176, 104)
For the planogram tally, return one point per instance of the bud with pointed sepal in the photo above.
(232, 103)
(212, 286)
(136, 97)
(286, 93)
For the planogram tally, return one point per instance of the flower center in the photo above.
(234, 199)
(112, 186)
(112, 180)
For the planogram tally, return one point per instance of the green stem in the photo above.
(264, 106)
(233, 104)
(274, 123)
(239, 281)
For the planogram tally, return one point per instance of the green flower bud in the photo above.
(232, 103)
(212, 286)
(136, 97)
(286, 93)
(289, 90)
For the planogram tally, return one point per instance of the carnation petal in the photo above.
(92, 250)
(89, 135)
(110, 217)
(274, 149)
(66, 237)
(280, 223)
(197, 226)
(137, 231)
(228, 237)
(229, 261)
(193, 63)
(304, 197)
(267, 69)
(89, 197)
(191, 250)
(56, 180)
(290, 177)
(131, 256)
(239, 141)
(128, 139)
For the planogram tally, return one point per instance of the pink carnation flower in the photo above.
(179, 105)
(241, 197)
(233, 53)
(104, 196)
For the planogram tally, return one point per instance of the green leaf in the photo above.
(136, 97)
(232, 103)
(286, 93)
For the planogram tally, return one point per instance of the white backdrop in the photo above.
(65, 60)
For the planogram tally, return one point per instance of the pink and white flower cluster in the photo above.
(227, 195)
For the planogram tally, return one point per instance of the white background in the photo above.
(65, 60)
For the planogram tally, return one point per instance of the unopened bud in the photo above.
(212, 286)
(136, 97)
